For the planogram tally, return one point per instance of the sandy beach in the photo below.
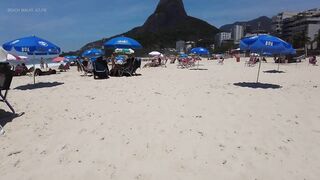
(168, 123)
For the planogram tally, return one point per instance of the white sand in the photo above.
(169, 124)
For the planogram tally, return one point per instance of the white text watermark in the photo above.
(27, 10)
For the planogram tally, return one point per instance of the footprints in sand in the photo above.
(14, 153)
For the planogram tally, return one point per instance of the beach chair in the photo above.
(251, 62)
(100, 69)
(6, 75)
(86, 70)
(39, 72)
(221, 61)
(313, 61)
(127, 68)
(136, 65)
(64, 68)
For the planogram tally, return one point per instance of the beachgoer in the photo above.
(264, 59)
(79, 68)
(24, 67)
(313, 60)
(85, 62)
(41, 63)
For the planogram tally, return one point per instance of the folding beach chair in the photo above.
(6, 75)
(100, 69)
(127, 68)
(136, 65)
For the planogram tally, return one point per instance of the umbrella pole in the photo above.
(34, 71)
(259, 71)
(198, 64)
(279, 63)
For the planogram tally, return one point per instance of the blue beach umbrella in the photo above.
(199, 51)
(123, 43)
(92, 53)
(183, 55)
(71, 57)
(266, 44)
(32, 45)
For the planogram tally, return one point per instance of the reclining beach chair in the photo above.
(221, 61)
(6, 75)
(64, 68)
(136, 65)
(313, 61)
(100, 69)
(127, 68)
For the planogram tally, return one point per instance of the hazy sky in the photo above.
(72, 23)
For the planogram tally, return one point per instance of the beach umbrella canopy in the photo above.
(199, 51)
(183, 55)
(32, 45)
(58, 59)
(23, 57)
(265, 44)
(154, 53)
(124, 51)
(12, 57)
(92, 53)
(71, 57)
(3, 55)
(120, 58)
(123, 42)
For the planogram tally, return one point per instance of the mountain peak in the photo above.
(171, 7)
(167, 14)
(168, 24)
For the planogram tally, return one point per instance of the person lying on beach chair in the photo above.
(154, 63)
(251, 62)
(100, 68)
(39, 72)
(64, 68)
(313, 60)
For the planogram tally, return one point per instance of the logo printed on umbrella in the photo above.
(42, 43)
(122, 41)
(14, 42)
(25, 49)
(269, 43)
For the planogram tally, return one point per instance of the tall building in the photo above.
(277, 22)
(306, 23)
(237, 33)
(189, 45)
(222, 36)
(180, 46)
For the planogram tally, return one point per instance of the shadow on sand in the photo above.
(6, 117)
(39, 85)
(257, 85)
(274, 71)
(198, 69)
